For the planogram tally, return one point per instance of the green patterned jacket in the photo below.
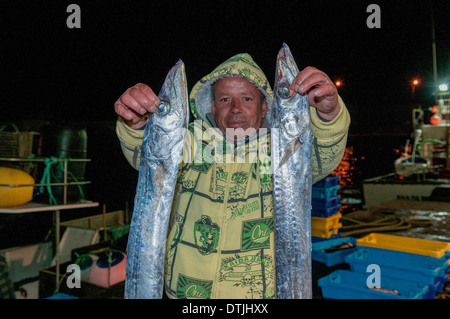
(220, 241)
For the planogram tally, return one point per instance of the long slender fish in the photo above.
(162, 146)
(292, 169)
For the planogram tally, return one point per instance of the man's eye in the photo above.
(224, 99)
(247, 99)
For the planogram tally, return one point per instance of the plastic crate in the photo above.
(325, 233)
(406, 244)
(318, 203)
(325, 192)
(60, 295)
(326, 222)
(344, 284)
(408, 267)
(320, 239)
(404, 255)
(325, 212)
(320, 251)
(328, 181)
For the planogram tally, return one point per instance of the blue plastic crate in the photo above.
(410, 267)
(61, 295)
(344, 284)
(318, 203)
(315, 239)
(328, 181)
(325, 192)
(410, 256)
(319, 251)
(325, 212)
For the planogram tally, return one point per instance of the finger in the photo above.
(313, 81)
(130, 102)
(323, 98)
(304, 74)
(150, 94)
(325, 90)
(308, 71)
(126, 112)
(145, 96)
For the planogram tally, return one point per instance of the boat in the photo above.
(424, 172)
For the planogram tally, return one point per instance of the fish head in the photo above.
(290, 112)
(168, 125)
(286, 68)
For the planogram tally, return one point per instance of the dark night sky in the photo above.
(52, 73)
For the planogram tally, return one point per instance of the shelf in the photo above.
(42, 159)
(41, 207)
(33, 207)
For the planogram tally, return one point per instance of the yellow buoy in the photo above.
(11, 191)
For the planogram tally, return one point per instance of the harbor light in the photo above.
(443, 87)
(415, 82)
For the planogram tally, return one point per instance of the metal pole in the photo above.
(65, 182)
(433, 46)
(57, 256)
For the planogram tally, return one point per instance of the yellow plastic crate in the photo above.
(405, 244)
(325, 233)
(325, 222)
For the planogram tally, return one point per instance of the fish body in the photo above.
(388, 291)
(342, 246)
(161, 154)
(292, 180)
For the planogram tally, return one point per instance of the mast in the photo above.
(433, 45)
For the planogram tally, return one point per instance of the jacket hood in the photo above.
(241, 65)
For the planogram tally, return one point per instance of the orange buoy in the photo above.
(11, 191)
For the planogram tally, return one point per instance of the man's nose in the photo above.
(236, 106)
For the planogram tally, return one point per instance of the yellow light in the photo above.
(416, 82)
(338, 83)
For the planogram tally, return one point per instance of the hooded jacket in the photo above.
(220, 240)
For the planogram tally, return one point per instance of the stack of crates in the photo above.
(408, 267)
(325, 207)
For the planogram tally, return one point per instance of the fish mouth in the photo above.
(173, 94)
(286, 67)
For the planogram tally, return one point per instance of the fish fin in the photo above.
(290, 149)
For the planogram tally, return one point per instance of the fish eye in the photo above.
(163, 108)
(283, 90)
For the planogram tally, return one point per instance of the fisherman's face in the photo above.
(237, 104)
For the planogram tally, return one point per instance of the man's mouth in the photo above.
(236, 123)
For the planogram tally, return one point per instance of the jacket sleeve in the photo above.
(329, 139)
(130, 142)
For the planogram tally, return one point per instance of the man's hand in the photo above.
(136, 105)
(321, 91)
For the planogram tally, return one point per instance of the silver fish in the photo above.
(292, 175)
(161, 154)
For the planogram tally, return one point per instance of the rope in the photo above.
(46, 179)
(48, 175)
(380, 225)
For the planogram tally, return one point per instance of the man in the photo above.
(220, 242)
